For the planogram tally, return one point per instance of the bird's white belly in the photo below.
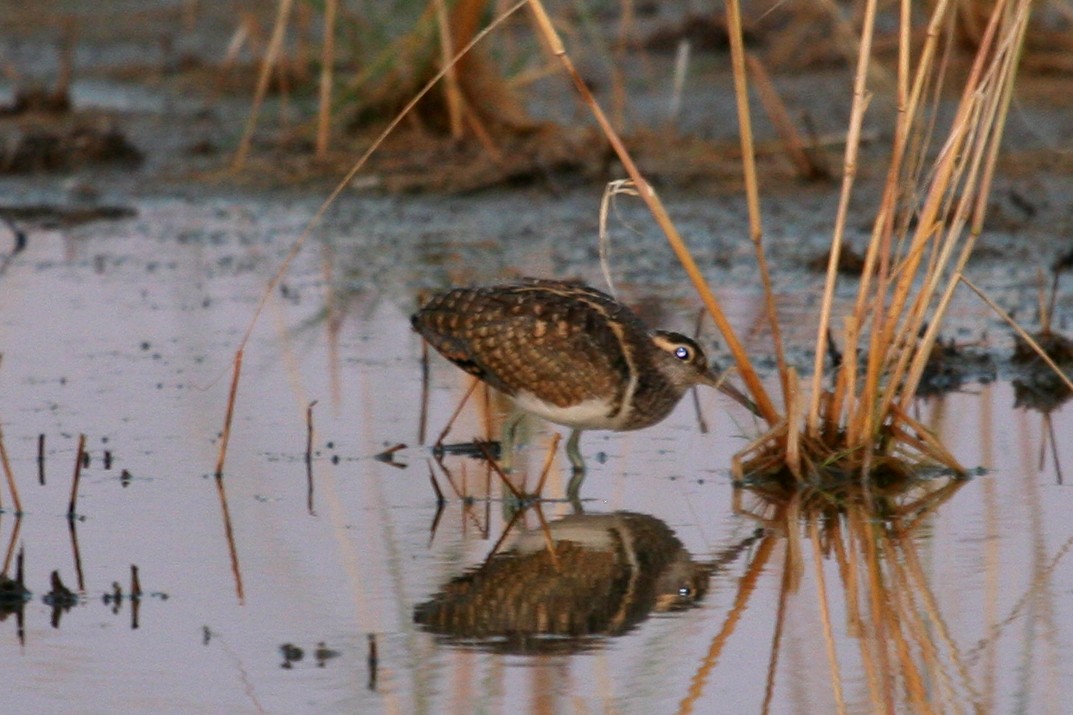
(590, 414)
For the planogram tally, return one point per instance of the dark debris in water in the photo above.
(57, 216)
(1036, 385)
(36, 99)
(477, 449)
(48, 150)
(950, 366)
(850, 262)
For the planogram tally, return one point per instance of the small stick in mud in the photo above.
(309, 456)
(135, 597)
(77, 476)
(309, 432)
(373, 661)
(41, 459)
(135, 583)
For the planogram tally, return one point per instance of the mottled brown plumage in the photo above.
(565, 352)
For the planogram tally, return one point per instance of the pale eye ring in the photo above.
(683, 353)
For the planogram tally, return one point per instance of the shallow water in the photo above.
(124, 332)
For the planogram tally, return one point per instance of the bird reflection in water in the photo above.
(607, 574)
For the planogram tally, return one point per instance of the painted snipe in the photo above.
(568, 353)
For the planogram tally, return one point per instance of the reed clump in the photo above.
(853, 421)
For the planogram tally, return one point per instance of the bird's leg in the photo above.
(506, 440)
(573, 452)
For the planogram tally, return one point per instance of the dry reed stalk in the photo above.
(779, 117)
(452, 93)
(327, 66)
(849, 167)
(908, 284)
(973, 142)
(752, 196)
(232, 398)
(655, 205)
(793, 437)
(268, 63)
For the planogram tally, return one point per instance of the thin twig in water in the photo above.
(77, 476)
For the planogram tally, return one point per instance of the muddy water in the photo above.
(288, 595)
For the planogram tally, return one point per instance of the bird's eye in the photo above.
(683, 353)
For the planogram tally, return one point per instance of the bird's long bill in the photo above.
(721, 382)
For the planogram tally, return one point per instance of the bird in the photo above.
(568, 353)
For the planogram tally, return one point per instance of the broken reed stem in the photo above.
(752, 190)
(655, 206)
(77, 476)
(9, 475)
(327, 66)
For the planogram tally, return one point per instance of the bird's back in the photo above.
(560, 342)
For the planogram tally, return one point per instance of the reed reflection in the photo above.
(902, 658)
